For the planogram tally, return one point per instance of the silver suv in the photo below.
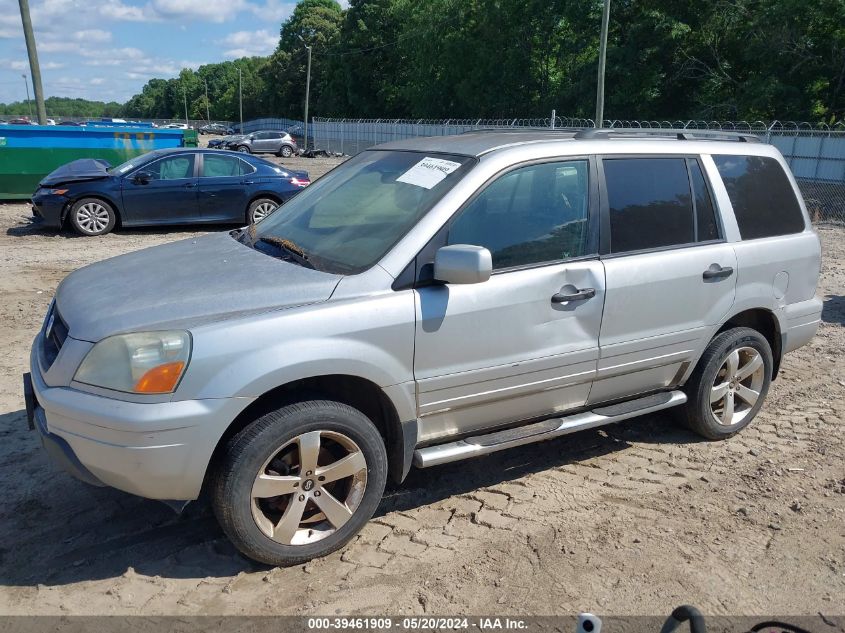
(428, 301)
(265, 142)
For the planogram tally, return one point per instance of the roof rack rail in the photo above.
(681, 135)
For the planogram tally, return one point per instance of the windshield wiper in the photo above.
(293, 251)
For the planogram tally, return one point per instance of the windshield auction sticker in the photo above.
(428, 172)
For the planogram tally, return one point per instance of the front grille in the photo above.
(54, 336)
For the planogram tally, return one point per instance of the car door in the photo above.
(223, 188)
(514, 347)
(263, 142)
(168, 197)
(670, 275)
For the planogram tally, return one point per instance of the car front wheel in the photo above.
(92, 216)
(729, 385)
(300, 482)
(243, 149)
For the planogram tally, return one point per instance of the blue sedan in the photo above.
(175, 186)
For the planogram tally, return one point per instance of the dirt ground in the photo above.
(632, 519)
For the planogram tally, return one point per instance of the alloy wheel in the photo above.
(309, 488)
(737, 386)
(262, 210)
(92, 217)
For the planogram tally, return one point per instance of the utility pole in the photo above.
(185, 97)
(28, 102)
(605, 20)
(241, 98)
(34, 68)
(307, 90)
(207, 110)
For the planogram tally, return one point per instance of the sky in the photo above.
(106, 50)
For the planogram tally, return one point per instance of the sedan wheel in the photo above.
(260, 209)
(243, 149)
(91, 216)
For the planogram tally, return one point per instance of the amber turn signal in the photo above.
(161, 379)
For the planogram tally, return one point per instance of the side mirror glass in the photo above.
(463, 264)
(142, 177)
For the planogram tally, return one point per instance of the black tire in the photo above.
(698, 413)
(260, 206)
(244, 149)
(286, 151)
(250, 452)
(92, 217)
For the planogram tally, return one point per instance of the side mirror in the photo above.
(142, 177)
(463, 264)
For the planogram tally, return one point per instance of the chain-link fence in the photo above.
(815, 153)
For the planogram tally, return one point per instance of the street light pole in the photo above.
(241, 98)
(185, 97)
(605, 20)
(34, 68)
(207, 109)
(307, 90)
(28, 102)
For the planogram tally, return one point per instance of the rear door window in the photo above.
(218, 166)
(763, 199)
(705, 216)
(649, 203)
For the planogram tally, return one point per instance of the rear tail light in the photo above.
(300, 182)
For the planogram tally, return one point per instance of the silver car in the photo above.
(265, 142)
(428, 301)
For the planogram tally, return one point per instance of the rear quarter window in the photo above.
(763, 199)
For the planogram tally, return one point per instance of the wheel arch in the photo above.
(360, 393)
(766, 323)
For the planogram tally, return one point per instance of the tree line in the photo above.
(65, 107)
(667, 59)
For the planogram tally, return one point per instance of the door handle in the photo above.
(247, 182)
(571, 293)
(717, 272)
(189, 185)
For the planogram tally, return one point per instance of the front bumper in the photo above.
(155, 450)
(48, 208)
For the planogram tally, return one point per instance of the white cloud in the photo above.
(249, 43)
(211, 10)
(274, 11)
(97, 81)
(117, 10)
(97, 36)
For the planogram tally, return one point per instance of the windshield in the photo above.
(132, 163)
(348, 219)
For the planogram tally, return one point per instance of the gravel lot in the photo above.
(632, 519)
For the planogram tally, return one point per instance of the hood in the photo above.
(182, 285)
(78, 170)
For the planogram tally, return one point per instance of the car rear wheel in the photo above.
(260, 209)
(300, 482)
(92, 216)
(729, 385)
(286, 151)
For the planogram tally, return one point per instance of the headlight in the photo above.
(144, 362)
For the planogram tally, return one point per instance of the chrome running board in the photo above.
(544, 430)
